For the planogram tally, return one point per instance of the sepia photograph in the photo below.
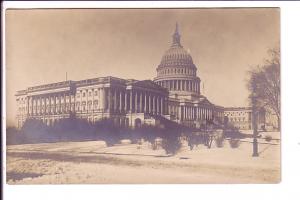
(143, 96)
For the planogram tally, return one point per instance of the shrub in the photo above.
(171, 145)
(13, 136)
(234, 142)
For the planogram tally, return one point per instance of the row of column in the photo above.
(135, 101)
(195, 113)
(177, 71)
(50, 104)
(184, 85)
(108, 100)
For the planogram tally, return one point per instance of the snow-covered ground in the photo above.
(93, 162)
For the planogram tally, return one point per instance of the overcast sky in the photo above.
(43, 44)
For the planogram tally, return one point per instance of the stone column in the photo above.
(208, 113)
(136, 102)
(32, 105)
(120, 102)
(186, 85)
(141, 102)
(115, 100)
(145, 103)
(40, 105)
(54, 103)
(37, 106)
(187, 112)
(154, 106)
(150, 107)
(194, 113)
(131, 101)
(126, 101)
(161, 105)
(65, 102)
(173, 83)
(108, 99)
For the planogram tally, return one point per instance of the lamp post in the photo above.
(254, 118)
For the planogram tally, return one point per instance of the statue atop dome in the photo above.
(176, 37)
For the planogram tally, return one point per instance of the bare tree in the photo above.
(264, 83)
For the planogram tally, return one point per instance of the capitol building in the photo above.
(174, 94)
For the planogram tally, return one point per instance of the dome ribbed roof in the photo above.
(176, 56)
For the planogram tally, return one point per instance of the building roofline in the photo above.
(237, 108)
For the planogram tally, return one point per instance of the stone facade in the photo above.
(126, 101)
(241, 117)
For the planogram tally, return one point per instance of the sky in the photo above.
(43, 44)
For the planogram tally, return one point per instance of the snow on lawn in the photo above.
(93, 162)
